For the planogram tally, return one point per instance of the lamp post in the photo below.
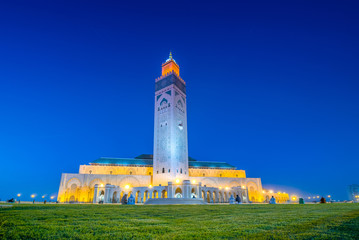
(19, 195)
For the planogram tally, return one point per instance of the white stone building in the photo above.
(169, 173)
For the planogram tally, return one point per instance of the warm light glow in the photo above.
(193, 181)
(101, 185)
(329, 196)
(150, 186)
(220, 187)
(243, 187)
(127, 186)
(271, 191)
(317, 196)
(227, 188)
(52, 197)
(263, 191)
(308, 197)
(177, 180)
(19, 194)
(170, 66)
(43, 196)
(294, 198)
(32, 195)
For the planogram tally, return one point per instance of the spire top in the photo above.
(170, 58)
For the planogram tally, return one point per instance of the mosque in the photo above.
(169, 175)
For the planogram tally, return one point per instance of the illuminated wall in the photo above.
(195, 172)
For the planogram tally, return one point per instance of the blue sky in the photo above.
(272, 88)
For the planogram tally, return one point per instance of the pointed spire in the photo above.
(170, 55)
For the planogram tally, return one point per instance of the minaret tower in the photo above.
(170, 154)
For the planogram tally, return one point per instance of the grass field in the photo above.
(256, 221)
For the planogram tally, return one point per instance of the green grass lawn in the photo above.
(256, 221)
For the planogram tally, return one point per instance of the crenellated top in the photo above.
(169, 73)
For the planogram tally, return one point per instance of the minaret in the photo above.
(170, 154)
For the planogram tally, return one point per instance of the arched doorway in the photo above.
(208, 196)
(121, 195)
(155, 194)
(114, 197)
(214, 197)
(220, 197)
(164, 194)
(145, 196)
(137, 198)
(178, 193)
(72, 199)
(203, 195)
(101, 198)
(193, 193)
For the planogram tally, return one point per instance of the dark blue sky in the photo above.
(272, 87)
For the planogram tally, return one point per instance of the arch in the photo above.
(221, 197)
(72, 199)
(252, 191)
(214, 197)
(164, 194)
(178, 193)
(137, 197)
(155, 194)
(114, 197)
(225, 197)
(121, 195)
(163, 101)
(72, 181)
(145, 196)
(203, 194)
(95, 181)
(193, 193)
(129, 180)
(208, 196)
(180, 104)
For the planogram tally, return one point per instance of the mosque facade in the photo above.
(169, 173)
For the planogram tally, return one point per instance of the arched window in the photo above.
(110, 172)
(149, 173)
(169, 170)
(157, 172)
(220, 175)
(181, 170)
(204, 174)
(130, 173)
(163, 170)
(90, 171)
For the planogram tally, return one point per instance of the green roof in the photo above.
(146, 160)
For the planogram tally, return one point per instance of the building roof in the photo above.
(146, 160)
